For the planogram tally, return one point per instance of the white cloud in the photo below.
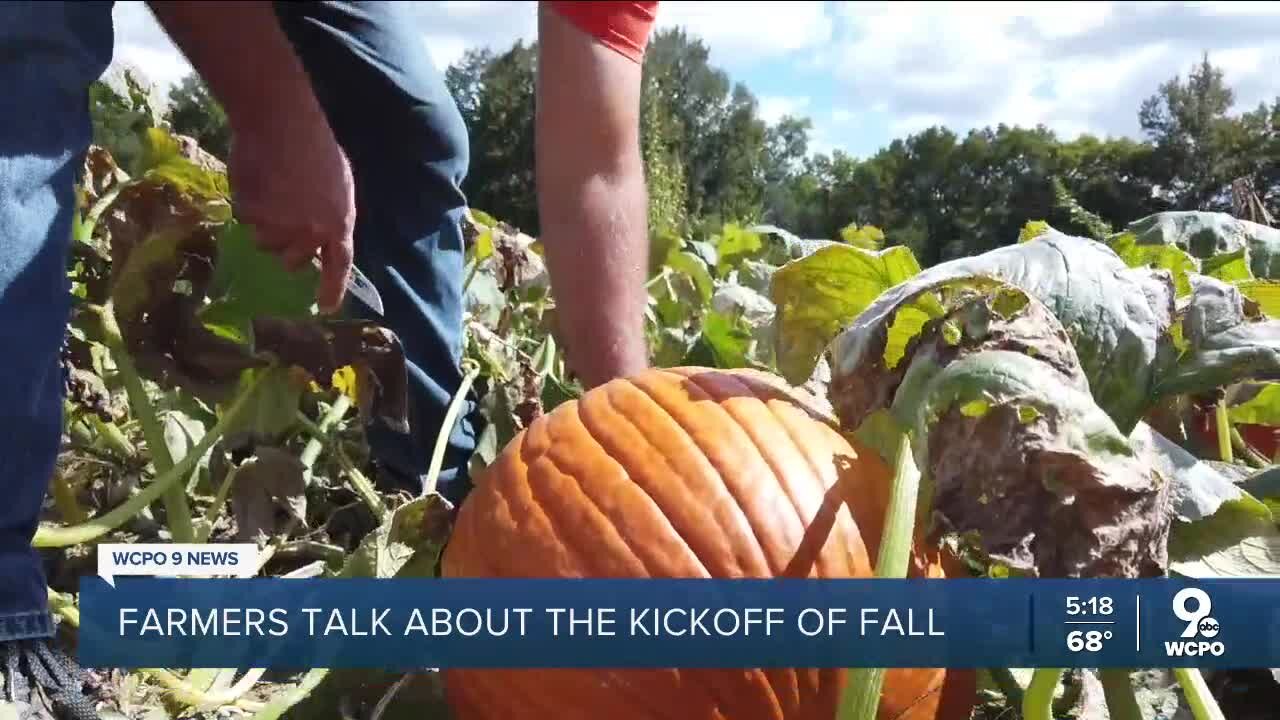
(1075, 67)
(773, 108)
(745, 33)
(141, 45)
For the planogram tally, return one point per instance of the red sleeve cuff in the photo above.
(620, 26)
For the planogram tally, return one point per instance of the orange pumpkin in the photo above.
(684, 472)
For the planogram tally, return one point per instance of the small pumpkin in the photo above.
(673, 473)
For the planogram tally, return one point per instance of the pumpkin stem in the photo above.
(860, 699)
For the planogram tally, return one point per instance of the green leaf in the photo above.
(881, 432)
(1117, 318)
(734, 244)
(1207, 234)
(484, 299)
(1261, 409)
(1198, 491)
(273, 408)
(1264, 292)
(483, 248)
(867, 237)
(1032, 230)
(723, 343)
(555, 393)
(1164, 257)
(662, 247)
(695, 269)
(250, 283)
(1228, 267)
(1256, 556)
(818, 295)
(1225, 344)
(1264, 485)
(162, 162)
(482, 217)
(407, 543)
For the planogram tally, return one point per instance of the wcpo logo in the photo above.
(1193, 606)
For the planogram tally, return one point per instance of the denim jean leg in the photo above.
(394, 117)
(49, 55)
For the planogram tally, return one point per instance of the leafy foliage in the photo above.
(974, 290)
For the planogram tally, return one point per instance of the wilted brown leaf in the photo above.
(268, 485)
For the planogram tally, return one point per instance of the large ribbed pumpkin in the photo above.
(675, 473)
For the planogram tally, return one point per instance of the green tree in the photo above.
(118, 118)
(664, 172)
(495, 94)
(194, 112)
(1189, 126)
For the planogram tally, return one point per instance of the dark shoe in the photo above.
(44, 683)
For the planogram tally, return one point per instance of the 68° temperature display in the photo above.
(1087, 640)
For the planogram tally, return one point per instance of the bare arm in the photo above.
(290, 178)
(591, 199)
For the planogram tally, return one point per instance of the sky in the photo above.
(866, 73)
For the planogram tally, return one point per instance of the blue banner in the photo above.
(499, 623)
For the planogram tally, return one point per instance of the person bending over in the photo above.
(346, 147)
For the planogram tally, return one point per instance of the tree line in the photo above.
(711, 159)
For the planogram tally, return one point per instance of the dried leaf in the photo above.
(323, 346)
(1055, 492)
(270, 483)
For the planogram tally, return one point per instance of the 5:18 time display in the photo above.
(1090, 606)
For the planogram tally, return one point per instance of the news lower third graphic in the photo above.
(147, 610)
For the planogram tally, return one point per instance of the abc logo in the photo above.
(1192, 606)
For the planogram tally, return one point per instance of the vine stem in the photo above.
(1224, 430)
(215, 508)
(320, 438)
(361, 484)
(860, 699)
(1007, 684)
(1203, 705)
(177, 510)
(62, 605)
(184, 692)
(319, 432)
(1118, 691)
(1037, 702)
(1247, 453)
(446, 429)
(50, 537)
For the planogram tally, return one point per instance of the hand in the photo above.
(293, 184)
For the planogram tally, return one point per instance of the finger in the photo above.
(335, 267)
(295, 257)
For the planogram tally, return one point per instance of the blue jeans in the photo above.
(394, 117)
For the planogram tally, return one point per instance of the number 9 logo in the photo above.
(1192, 617)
